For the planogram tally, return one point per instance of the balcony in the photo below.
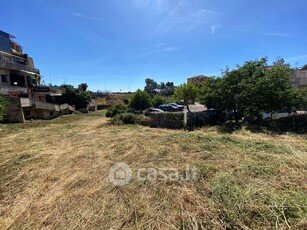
(12, 62)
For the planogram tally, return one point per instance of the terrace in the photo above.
(14, 62)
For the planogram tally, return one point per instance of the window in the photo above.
(17, 80)
(3, 78)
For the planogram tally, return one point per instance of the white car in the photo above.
(278, 114)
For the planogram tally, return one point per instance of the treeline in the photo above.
(164, 89)
(245, 91)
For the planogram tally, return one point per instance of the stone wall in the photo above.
(167, 120)
(176, 120)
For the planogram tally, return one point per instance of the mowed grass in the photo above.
(54, 175)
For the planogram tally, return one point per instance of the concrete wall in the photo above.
(197, 119)
(302, 74)
(39, 97)
(176, 120)
(14, 110)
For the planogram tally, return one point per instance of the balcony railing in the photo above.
(9, 61)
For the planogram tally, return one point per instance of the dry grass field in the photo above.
(54, 175)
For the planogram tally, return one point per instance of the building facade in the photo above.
(300, 77)
(20, 84)
(198, 79)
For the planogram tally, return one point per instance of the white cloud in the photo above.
(163, 47)
(271, 34)
(183, 18)
(279, 35)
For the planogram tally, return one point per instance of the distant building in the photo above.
(300, 77)
(20, 84)
(198, 79)
(269, 67)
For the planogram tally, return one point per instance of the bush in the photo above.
(158, 100)
(126, 119)
(118, 109)
(140, 100)
(102, 107)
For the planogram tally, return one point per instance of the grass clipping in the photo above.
(54, 175)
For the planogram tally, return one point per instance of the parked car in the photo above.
(229, 113)
(286, 112)
(180, 107)
(168, 108)
(153, 110)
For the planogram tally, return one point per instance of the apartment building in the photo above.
(20, 84)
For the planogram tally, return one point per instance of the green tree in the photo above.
(82, 100)
(69, 96)
(169, 89)
(303, 93)
(186, 92)
(83, 86)
(73, 97)
(151, 85)
(251, 89)
(158, 100)
(274, 90)
(2, 107)
(140, 100)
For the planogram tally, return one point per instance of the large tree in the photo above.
(186, 92)
(251, 89)
(151, 85)
(72, 96)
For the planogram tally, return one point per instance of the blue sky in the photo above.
(116, 44)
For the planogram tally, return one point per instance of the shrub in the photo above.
(102, 107)
(158, 100)
(125, 119)
(140, 100)
(118, 109)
